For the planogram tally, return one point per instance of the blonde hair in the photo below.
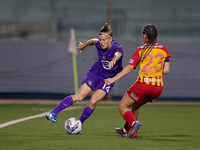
(106, 29)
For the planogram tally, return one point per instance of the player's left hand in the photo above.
(111, 64)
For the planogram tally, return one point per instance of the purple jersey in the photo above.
(105, 56)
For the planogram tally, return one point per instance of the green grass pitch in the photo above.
(163, 127)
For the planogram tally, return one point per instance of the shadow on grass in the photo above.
(167, 138)
(163, 137)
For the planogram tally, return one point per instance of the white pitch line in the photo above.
(31, 117)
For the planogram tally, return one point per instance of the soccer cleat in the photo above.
(121, 132)
(134, 129)
(51, 116)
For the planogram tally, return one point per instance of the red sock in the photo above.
(129, 117)
(127, 126)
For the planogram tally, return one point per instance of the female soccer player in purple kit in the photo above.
(108, 65)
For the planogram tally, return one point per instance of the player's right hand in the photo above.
(80, 46)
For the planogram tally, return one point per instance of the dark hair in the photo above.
(151, 32)
(106, 29)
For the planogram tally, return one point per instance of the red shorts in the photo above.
(139, 91)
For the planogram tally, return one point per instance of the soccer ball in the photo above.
(73, 125)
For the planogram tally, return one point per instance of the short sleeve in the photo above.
(135, 58)
(168, 54)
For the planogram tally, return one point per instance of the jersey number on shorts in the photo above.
(106, 87)
(146, 69)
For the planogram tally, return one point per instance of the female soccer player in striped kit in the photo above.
(108, 65)
(154, 62)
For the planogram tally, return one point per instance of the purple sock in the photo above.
(66, 102)
(86, 113)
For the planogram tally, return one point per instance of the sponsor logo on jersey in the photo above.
(151, 80)
(105, 64)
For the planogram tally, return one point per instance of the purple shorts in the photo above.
(95, 81)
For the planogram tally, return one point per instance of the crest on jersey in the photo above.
(103, 57)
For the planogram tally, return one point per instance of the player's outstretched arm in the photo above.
(116, 57)
(124, 72)
(81, 45)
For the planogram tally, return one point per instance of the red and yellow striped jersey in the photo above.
(151, 68)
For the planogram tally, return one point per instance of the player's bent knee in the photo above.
(92, 104)
(120, 108)
(80, 98)
(77, 98)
